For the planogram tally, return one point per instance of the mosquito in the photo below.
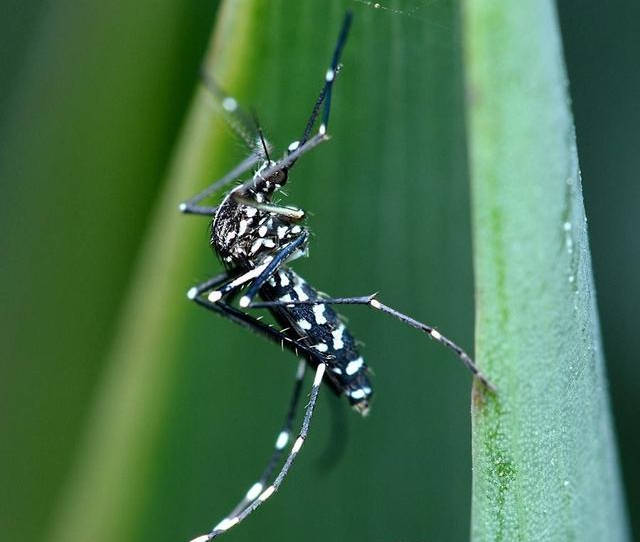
(257, 240)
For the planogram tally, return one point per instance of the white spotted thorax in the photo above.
(241, 232)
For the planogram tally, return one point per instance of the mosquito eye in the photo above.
(280, 177)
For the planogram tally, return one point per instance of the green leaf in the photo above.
(544, 454)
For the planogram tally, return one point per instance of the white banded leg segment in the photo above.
(282, 440)
(317, 379)
(213, 282)
(435, 335)
(216, 295)
(266, 493)
(297, 445)
(318, 305)
(429, 330)
(295, 449)
(226, 524)
(254, 491)
(293, 146)
(192, 205)
(288, 212)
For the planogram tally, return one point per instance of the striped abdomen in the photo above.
(320, 328)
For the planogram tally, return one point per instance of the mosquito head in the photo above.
(267, 179)
(272, 181)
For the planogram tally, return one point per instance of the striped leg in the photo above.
(232, 520)
(270, 266)
(330, 76)
(258, 275)
(325, 94)
(257, 494)
(299, 349)
(372, 302)
(192, 206)
(225, 287)
(282, 440)
(290, 213)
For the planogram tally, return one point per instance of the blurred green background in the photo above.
(92, 99)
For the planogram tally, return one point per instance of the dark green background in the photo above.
(90, 105)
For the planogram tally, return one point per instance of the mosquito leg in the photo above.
(254, 496)
(359, 300)
(195, 291)
(258, 275)
(437, 336)
(232, 520)
(191, 205)
(288, 212)
(331, 72)
(307, 354)
(278, 259)
(325, 95)
(226, 287)
(372, 302)
(282, 440)
(299, 349)
(189, 209)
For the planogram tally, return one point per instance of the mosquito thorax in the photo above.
(242, 233)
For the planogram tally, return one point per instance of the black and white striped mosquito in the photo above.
(256, 240)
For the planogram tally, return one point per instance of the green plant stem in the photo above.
(544, 453)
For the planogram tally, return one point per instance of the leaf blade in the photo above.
(544, 453)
